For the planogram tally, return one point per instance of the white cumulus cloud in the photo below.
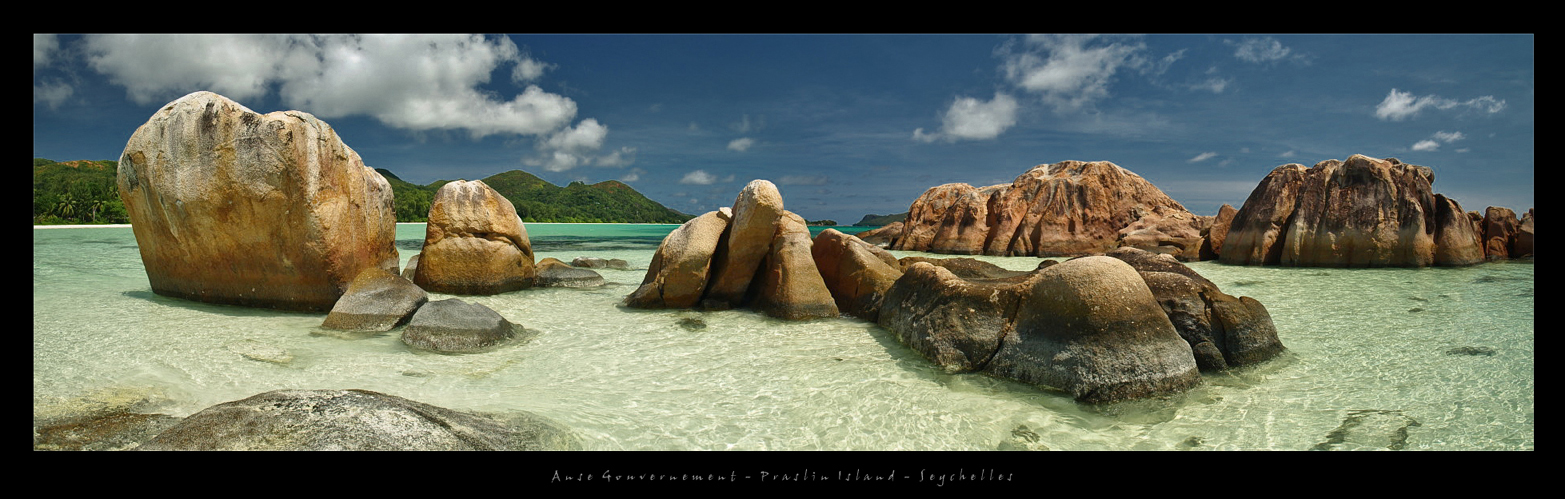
(970, 118)
(1399, 105)
(1433, 143)
(699, 177)
(1069, 71)
(741, 144)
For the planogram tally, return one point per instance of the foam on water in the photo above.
(1450, 350)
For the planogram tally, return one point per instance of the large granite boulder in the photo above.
(955, 322)
(1223, 331)
(1457, 241)
(356, 420)
(788, 285)
(1177, 234)
(1499, 232)
(857, 273)
(474, 243)
(1522, 247)
(1064, 209)
(1090, 326)
(231, 206)
(1363, 212)
(1256, 234)
(678, 275)
(756, 212)
(455, 326)
(377, 300)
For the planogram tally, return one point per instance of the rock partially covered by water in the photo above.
(355, 420)
(678, 275)
(883, 237)
(553, 273)
(1223, 331)
(1091, 327)
(377, 300)
(966, 268)
(600, 263)
(956, 323)
(456, 326)
(231, 206)
(1457, 241)
(474, 243)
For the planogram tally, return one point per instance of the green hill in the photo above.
(84, 192)
(76, 192)
(537, 200)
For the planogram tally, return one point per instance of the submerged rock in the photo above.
(554, 273)
(1369, 429)
(235, 207)
(456, 326)
(258, 351)
(376, 300)
(355, 420)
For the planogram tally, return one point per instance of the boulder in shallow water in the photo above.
(787, 283)
(376, 301)
(756, 213)
(231, 206)
(1091, 327)
(857, 272)
(355, 420)
(553, 273)
(954, 322)
(456, 326)
(679, 272)
(600, 263)
(474, 243)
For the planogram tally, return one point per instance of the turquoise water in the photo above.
(1416, 359)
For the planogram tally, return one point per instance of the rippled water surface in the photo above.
(1377, 359)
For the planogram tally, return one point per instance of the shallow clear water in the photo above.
(1367, 362)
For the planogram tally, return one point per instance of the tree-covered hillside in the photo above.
(76, 192)
(84, 192)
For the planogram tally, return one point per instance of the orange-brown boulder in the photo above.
(474, 243)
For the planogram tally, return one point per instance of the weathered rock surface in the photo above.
(678, 275)
(1499, 232)
(1216, 233)
(377, 300)
(788, 284)
(1091, 327)
(1363, 212)
(966, 268)
(1223, 331)
(553, 273)
(756, 212)
(355, 420)
(455, 326)
(1457, 241)
(231, 206)
(474, 243)
(856, 272)
(955, 322)
(1065, 209)
(1524, 233)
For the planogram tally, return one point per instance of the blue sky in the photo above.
(846, 125)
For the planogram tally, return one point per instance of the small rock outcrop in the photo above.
(235, 207)
(1069, 208)
(474, 243)
(553, 273)
(455, 326)
(885, 236)
(600, 263)
(377, 300)
(755, 255)
(355, 420)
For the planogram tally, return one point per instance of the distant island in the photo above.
(85, 192)
(873, 220)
